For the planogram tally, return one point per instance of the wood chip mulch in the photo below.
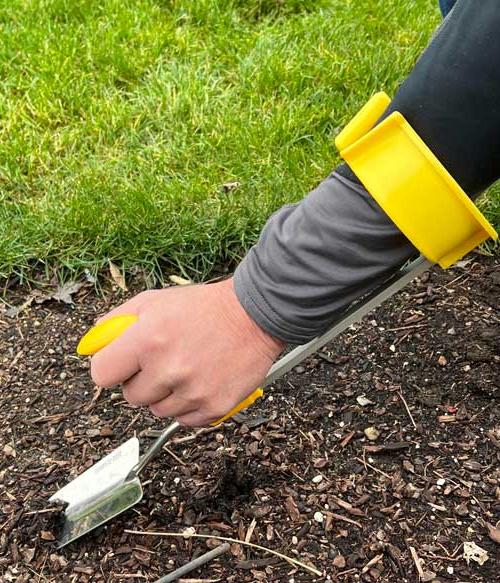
(376, 460)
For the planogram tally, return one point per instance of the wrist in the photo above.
(243, 324)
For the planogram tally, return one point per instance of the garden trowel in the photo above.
(112, 485)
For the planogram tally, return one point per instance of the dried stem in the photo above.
(229, 540)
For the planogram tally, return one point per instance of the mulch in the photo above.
(375, 460)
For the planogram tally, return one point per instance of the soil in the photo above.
(298, 468)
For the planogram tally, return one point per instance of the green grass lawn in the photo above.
(122, 120)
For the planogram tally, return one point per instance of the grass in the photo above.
(122, 120)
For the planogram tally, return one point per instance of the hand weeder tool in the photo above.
(112, 485)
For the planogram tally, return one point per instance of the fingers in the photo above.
(147, 387)
(190, 411)
(118, 361)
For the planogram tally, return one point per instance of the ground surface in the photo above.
(433, 485)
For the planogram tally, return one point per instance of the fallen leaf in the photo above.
(117, 276)
(177, 280)
(35, 296)
(65, 291)
(473, 552)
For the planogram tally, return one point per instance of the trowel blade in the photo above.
(100, 493)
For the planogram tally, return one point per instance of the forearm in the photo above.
(315, 258)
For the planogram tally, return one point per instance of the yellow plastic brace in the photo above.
(410, 184)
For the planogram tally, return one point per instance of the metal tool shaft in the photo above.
(150, 453)
(353, 314)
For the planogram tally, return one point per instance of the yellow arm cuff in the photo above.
(411, 185)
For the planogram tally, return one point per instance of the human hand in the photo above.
(193, 354)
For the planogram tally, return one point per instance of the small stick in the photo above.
(373, 468)
(407, 408)
(131, 424)
(195, 563)
(176, 458)
(345, 519)
(229, 540)
(372, 562)
(416, 560)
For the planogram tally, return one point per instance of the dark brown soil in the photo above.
(429, 482)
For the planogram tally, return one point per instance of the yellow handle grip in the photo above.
(250, 400)
(104, 333)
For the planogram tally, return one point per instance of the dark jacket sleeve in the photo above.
(316, 257)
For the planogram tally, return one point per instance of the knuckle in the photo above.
(156, 342)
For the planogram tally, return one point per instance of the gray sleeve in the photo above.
(314, 258)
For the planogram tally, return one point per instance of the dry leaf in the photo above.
(177, 280)
(65, 291)
(473, 552)
(292, 509)
(117, 276)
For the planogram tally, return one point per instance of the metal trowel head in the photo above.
(99, 494)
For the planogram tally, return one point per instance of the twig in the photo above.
(407, 408)
(251, 528)
(191, 437)
(195, 563)
(406, 327)
(97, 393)
(372, 562)
(373, 468)
(176, 458)
(345, 519)
(348, 572)
(229, 540)
(131, 424)
(44, 511)
(416, 560)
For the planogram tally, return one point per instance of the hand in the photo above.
(194, 353)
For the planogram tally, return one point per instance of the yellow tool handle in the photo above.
(104, 333)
